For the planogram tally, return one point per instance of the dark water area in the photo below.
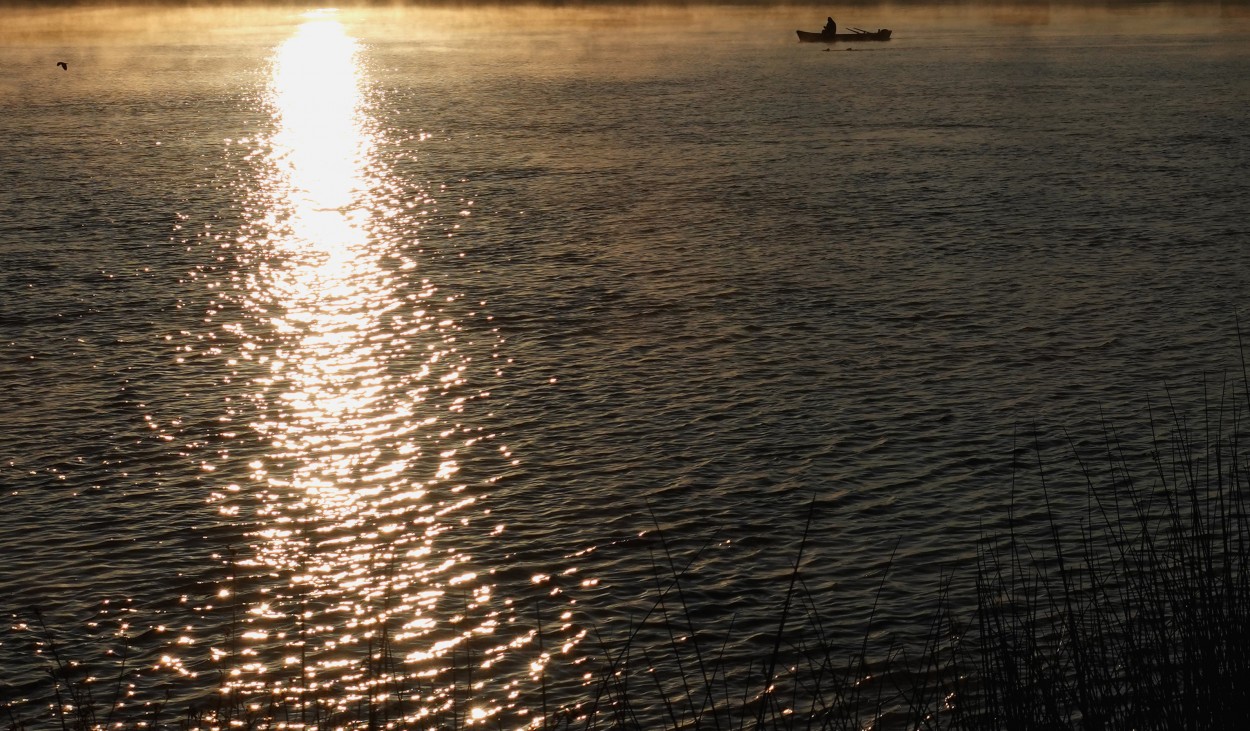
(427, 319)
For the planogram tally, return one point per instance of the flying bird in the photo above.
(63, 65)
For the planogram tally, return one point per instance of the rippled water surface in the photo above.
(396, 333)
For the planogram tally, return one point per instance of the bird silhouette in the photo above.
(63, 65)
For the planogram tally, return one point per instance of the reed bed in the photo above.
(1140, 619)
(1129, 611)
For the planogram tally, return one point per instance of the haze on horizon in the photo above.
(844, 7)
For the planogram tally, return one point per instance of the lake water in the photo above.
(398, 332)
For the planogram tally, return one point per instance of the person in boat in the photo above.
(831, 28)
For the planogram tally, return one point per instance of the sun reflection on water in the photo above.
(350, 592)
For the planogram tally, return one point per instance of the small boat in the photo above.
(882, 34)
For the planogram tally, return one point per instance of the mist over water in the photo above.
(323, 331)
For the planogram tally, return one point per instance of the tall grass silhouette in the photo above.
(1142, 620)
